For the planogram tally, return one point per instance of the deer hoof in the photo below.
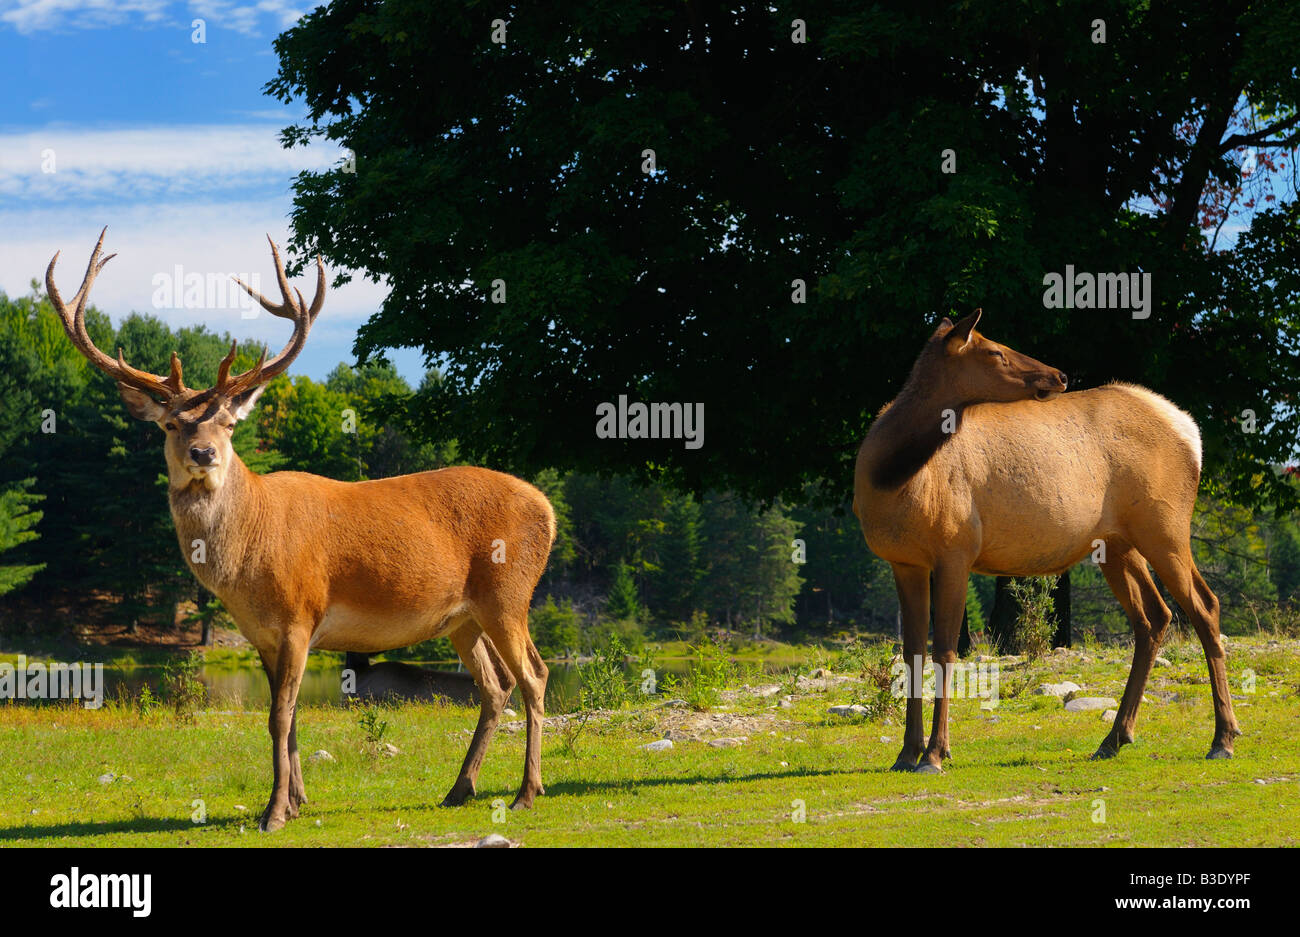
(926, 767)
(458, 794)
(270, 823)
(1218, 752)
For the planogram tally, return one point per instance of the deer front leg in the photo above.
(949, 603)
(913, 585)
(291, 660)
(297, 789)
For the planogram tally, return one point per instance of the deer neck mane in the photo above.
(216, 528)
(910, 430)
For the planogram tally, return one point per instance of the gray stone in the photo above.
(659, 745)
(854, 710)
(726, 742)
(107, 778)
(320, 755)
(1090, 703)
(1109, 715)
(1057, 689)
(493, 841)
(1162, 662)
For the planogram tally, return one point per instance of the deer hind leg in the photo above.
(1178, 572)
(297, 790)
(495, 684)
(290, 662)
(1127, 575)
(913, 585)
(508, 631)
(950, 581)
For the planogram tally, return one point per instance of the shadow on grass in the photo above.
(143, 825)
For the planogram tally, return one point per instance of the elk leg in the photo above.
(1126, 574)
(949, 604)
(495, 684)
(913, 585)
(291, 661)
(297, 790)
(1178, 572)
(509, 633)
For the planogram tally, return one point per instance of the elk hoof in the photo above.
(459, 793)
(1218, 752)
(926, 767)
(525, 799)
(903, 765)
(270, 823)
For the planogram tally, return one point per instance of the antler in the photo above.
(74, 323)
(293, 307)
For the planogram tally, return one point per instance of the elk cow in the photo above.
(982, 464)
(306, 562)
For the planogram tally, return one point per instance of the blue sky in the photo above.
(173, 145)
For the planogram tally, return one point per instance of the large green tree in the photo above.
(1081, 133)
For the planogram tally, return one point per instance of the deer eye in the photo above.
(170, 427)
(997, 354)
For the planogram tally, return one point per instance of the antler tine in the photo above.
(294, 307)
(74, 324)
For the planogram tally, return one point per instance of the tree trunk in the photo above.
(1001, 626)
(1061, 604)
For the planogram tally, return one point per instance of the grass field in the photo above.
(1020, 773)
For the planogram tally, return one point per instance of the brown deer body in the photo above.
(982, 465)
(303, 562)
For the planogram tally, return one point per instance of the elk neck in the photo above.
(226, 520)
(910, 430)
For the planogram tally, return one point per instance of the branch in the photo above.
(1260, 137)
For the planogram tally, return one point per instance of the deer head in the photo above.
(198, 423)
(978, 369)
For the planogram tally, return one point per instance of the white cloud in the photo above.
(29, 16)
(150, 162)
(207, 238)
(249, 19)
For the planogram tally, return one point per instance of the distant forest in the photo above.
(84, 515)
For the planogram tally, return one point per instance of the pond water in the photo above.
(236, 688)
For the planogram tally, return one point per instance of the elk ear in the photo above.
(242, 405)
(141, 405)
(943, 328)
(961, 332)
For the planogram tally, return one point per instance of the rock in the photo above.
(509, 713)
(240, 807)
(1163, 662)
(785, 704)
(493, 841)
(886, 738)
(770, 690)
(854, 710)
(985, 659)
(1057, 689)
(727, 742)
(390, 749)
(1090, 703)
(659, 745)
(320, 755)
(107, 777)
(673, 704)
(821, 673)
(1109, 715)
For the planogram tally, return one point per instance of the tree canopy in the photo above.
(903, 161)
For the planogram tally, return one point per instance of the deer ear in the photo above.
(140, 405)
(243, 404)
(963, 329)
(943, 328)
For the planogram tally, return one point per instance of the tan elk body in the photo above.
(983, 465)
(303, 562)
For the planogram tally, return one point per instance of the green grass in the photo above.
(1020, 775)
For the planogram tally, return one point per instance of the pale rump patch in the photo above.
(344, 628)
(1179, 420)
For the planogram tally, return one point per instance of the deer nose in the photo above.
(203, 456)
(1064, 379)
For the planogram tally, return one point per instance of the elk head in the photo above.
(198, 423)
(981, 370)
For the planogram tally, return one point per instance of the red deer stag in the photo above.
(306, 562)
(981, 464)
